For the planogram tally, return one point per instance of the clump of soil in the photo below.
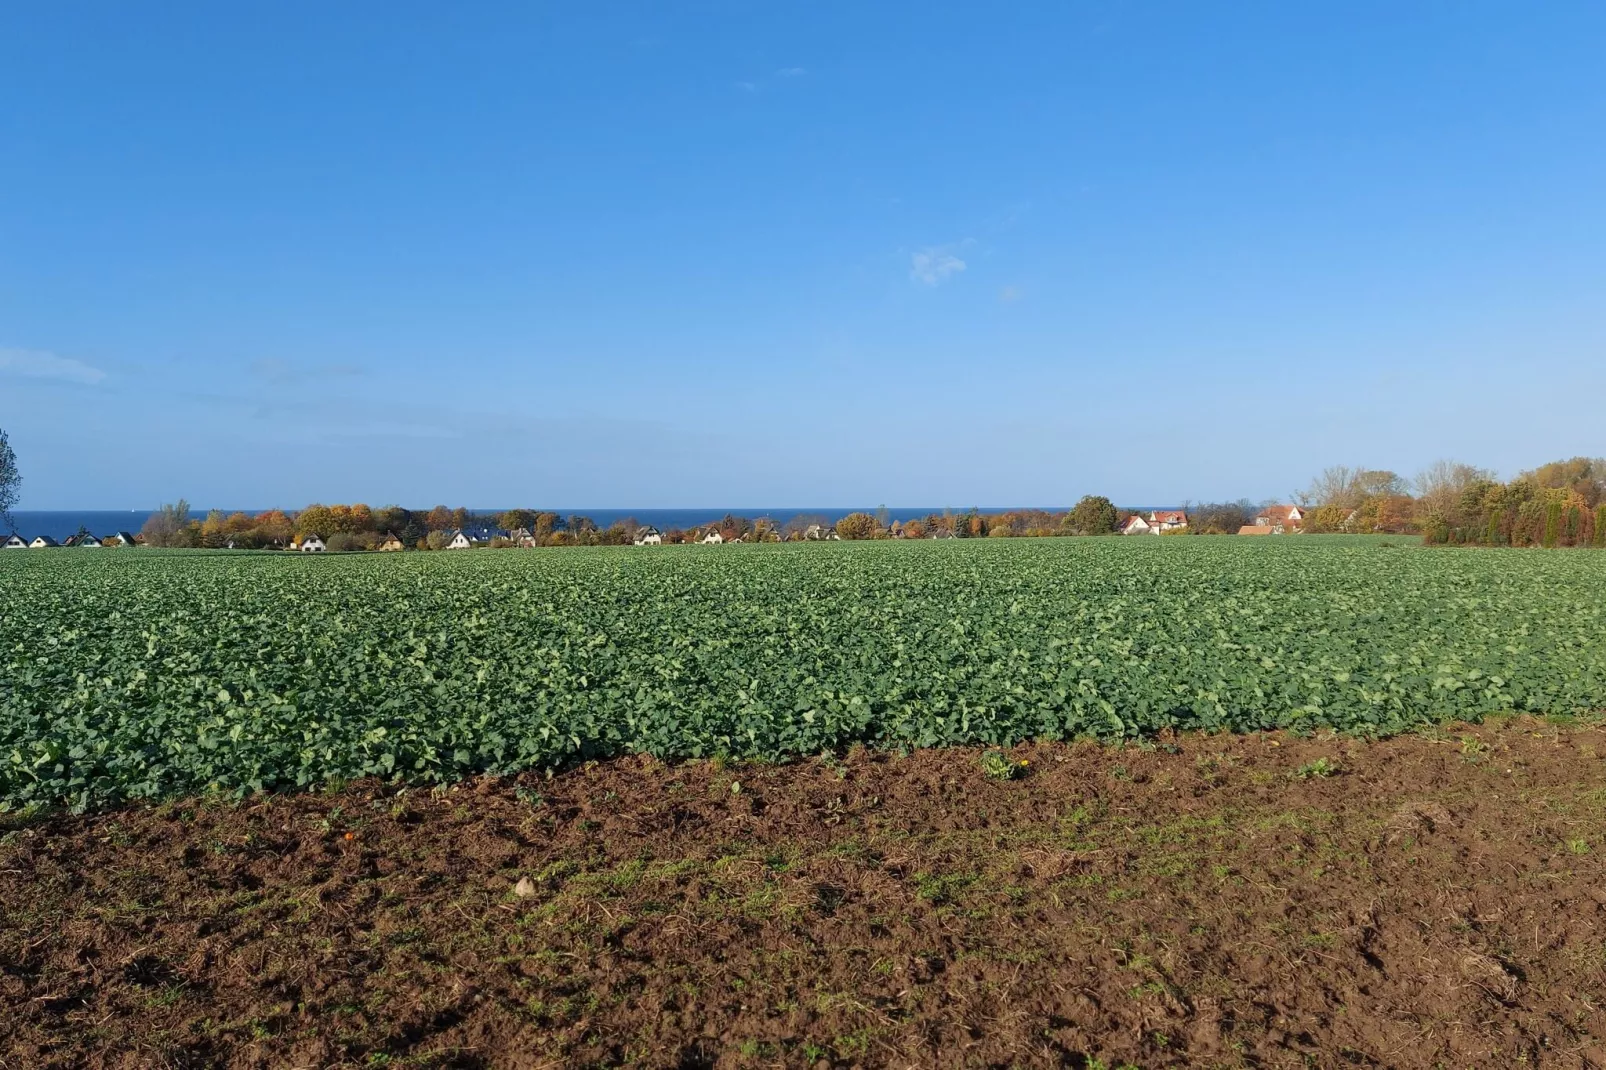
(1428, 899)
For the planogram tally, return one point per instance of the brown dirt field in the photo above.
(1438, 902)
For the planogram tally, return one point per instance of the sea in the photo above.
(59, 524)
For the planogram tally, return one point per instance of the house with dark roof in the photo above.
(86, 541)
(122, 538)
(312, 544)
(16, 542)
(42, 542)
(647, 535)
(460, 541)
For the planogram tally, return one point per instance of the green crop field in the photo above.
(137, 673)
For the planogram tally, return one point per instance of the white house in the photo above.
(311, 545)
(16, 542)
(86, 541)
(42, 542)
(1281, 518)
(1157, 523)
(122, 538)
(713, 536)
(460, 541)
(647, 535)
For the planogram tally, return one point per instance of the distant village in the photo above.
(1562, 504)
(320, 529)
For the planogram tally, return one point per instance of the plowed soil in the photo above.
(1437, 899)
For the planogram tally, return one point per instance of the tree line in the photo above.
(1562, 503)
(361, 527)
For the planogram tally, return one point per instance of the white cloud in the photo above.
(39, 364)
(747, 87)
(789, 72)
(933, 266)
(1009, 294)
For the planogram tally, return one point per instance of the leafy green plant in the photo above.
(1321, 767)
(1000, 766)
(160, 673)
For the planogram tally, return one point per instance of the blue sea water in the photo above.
(60, 524)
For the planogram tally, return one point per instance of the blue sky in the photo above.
(657, 255)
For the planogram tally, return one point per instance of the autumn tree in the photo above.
(214, 529)
(856, 526)
(1441, 487)
(169, 526)
(439, 518)
(316, 520)
(1584, 476)
(273, 526)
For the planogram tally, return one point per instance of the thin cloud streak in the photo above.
(42, 364)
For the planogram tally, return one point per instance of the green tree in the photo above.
(514, 519)
(1220, 518)
(10, 478)
(1093, 515)
(392, 518)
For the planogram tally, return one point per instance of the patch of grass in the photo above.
(939, 889)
